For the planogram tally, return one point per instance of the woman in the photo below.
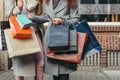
(59, 12)
(25, 65)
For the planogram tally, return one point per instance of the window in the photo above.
(100, 10)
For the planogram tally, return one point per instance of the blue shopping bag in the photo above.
(59, 37)
(73, 46)
(24, 21)
(92, 45)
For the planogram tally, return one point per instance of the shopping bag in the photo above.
(21, 47)
(92, 46)
(24, 21)
(70, 65)
(75, 58)
(59, 37)
(73, 48)
(17, 32)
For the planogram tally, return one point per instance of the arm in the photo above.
(40, 19)
(74, 16)
(18, 8)
(9, 5)
(71, 21)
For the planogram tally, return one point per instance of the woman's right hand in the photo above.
(20, 4)
(57, 21)
(29, 16)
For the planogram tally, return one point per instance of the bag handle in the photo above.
(73, 25)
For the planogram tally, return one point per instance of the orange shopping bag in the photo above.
(17, 31)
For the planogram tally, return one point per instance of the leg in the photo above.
(19, 78)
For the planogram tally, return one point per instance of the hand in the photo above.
(29, 16)
(57, 21)
(20, 4)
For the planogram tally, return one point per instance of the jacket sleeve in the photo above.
(71, 21)
(9, 5)
(41, 18)
(16, 9)
(74, 17)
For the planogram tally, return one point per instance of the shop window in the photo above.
(100, 10)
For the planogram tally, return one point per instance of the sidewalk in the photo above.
(112, 74)
(78, 75)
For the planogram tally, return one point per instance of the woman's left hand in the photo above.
(57, 21)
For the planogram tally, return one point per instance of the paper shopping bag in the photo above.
(74, 58)
(17, 32)
(73, 48)
(21, 47)
(24, 21)
(59, 37)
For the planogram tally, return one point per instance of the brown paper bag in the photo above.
(74, 58)
(21, 47)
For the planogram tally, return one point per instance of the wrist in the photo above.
(63, 20)
(20, 8)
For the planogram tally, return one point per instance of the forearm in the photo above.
(16, 10)
(39, 19)
(71, 21)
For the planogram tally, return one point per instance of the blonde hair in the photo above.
(39, 8)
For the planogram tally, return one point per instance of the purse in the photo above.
(74, 58)
(92, 46)
(59, 37)
(24, 21)
(17, 32)
(21, 47)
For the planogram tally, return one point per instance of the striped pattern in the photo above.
(113, 59)
(90, 62)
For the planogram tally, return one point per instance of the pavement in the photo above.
(112, 74)
(77, 75)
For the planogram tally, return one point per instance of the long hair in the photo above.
(70, 3)
(39, 7)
